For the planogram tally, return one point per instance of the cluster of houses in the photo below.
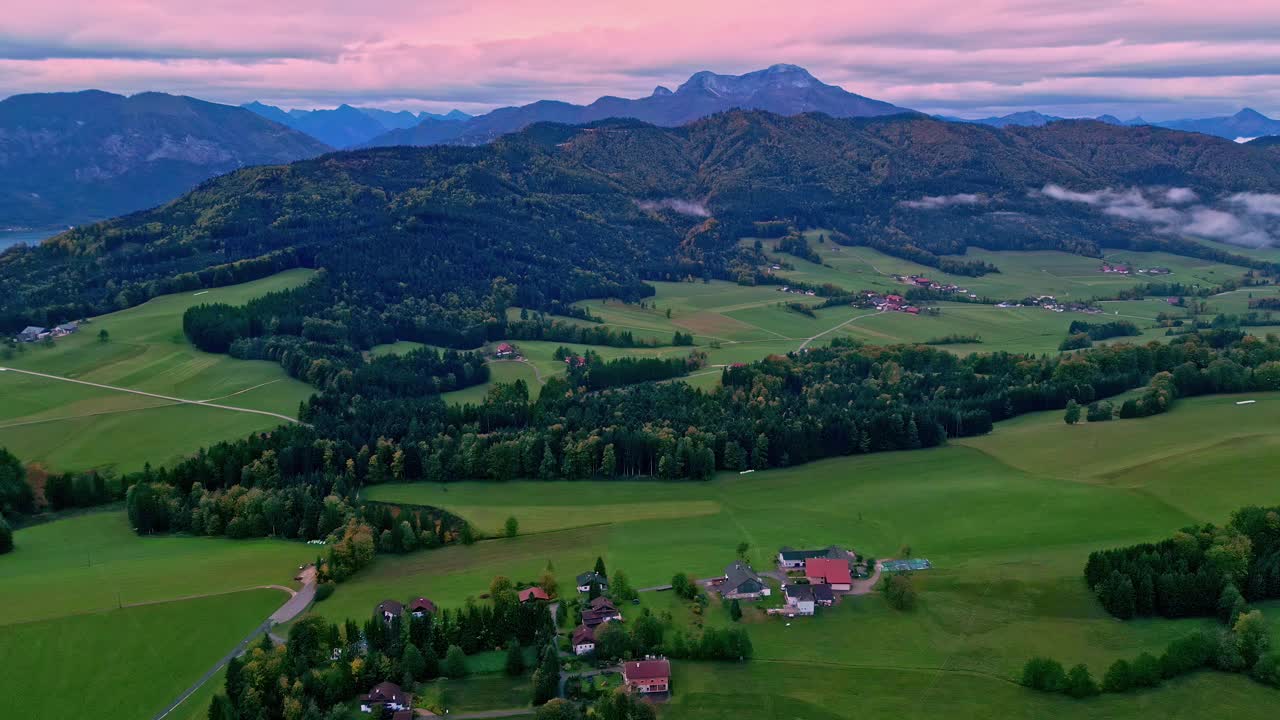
(889, 303)
(814, 578)
(1050, 303)
(925, 283)
(599, 610)
(31, 333)
(796, 291)
(1128, 269)
(392, 609)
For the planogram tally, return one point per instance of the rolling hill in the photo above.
(68, 158)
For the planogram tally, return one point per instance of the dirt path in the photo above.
(182, 401)
(805, 344)
(867, 586)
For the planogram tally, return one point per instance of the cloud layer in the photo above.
(1157, 58)
(1247, 219)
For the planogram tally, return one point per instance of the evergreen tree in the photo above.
(1080, 683)
(455, 663)
(1119, 677)
(515, 658)
(735, 610)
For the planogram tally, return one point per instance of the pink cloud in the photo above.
(1057, 55)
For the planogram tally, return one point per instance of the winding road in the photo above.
(180, 401)
(298, 601)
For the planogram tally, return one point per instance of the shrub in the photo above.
(1044, 674)
(1146, 671)
(899, 591)
(455, 663)
(324, 591)
(1119, 677)
(1080, 683)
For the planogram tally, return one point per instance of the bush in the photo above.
(1044, 674)
(900, 591)
(1146, 671)
(324, 591)
(1119, 677)
(455, 663)
(1080, 683)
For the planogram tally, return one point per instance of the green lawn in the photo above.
(70, 427)
(1007, 519)
(95, 562)
(124, 664)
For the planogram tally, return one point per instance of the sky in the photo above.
(1157, 58)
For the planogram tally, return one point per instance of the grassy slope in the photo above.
(126, 663)
(68, 427)
(1007, 519)
(95, 562)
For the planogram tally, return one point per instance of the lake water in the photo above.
(30, 237)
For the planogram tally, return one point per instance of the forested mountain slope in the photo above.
(73, 157)
(565, 212)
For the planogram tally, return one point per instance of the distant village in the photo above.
(31, 333)
(1128, 270)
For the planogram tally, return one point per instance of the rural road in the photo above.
(805, 344)
(512, 712)
(183, 401)
(292, 608)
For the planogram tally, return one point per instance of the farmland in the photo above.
(1007, 520)
(66, 426)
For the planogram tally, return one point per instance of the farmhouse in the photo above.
(422, 606)
(65, 329)
(506, 350)
(831, 572)
(388, 695)
(390, 610)
(790, 558)
(599, 611)
(31, 333)
(822, 594)
(647, 676)
(584, 640)
(799, 598)
(586, 578)
(742, 583)
(533, 593)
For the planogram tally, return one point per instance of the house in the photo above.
(822, 594)
(647, 676)
(586, 578)
(832, 572)
(742, 583)
(30, 333)
(799, 598)
(390, 610)
(65, 329)
(584, 640)
(505, 350)
(533, 593)
(600, 611)
(389, 696)
(790, 558)
(422, 606)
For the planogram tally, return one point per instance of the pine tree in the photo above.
(515, 658)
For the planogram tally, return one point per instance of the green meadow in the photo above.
(1007, 519)
(65, 426)
(123, 664)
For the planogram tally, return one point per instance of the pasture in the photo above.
(123, 664)
(1007, 519)
(65, 426)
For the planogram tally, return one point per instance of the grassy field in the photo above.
(95, 562)
(1007, 519)
(69, 427)
(122, 664)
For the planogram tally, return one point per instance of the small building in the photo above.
(600, 611)
(31, 333)
(65, 329)
(799, 598)
(389, 696)
(390, 610)
(421, 607)
(533, 593)
(740, 582)
(647, 676)
(587, 578)
(831, 572)
(822, 594)
(505, 350)
(584, 640)
(791, 559)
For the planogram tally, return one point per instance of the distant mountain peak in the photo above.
(1250, 114)
(661, 91)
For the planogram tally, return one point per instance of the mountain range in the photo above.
(72, 157)
(1243, 126)
(347, 126)
(781, 89)
(566, 212)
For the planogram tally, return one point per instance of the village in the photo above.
(33, 333)
(590, 620)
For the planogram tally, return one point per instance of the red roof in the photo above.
(422, 604)
(893, 298)
(832, 572)
(505, 347)
(646, 670)
(583, 635)
(533, 593)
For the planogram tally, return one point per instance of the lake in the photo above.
(30, 237)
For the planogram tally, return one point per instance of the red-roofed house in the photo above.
(505, 350)
(584, 640)
(388, 695)
(422, 606)
(533, 593)
(831, 572)
(647, 676)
